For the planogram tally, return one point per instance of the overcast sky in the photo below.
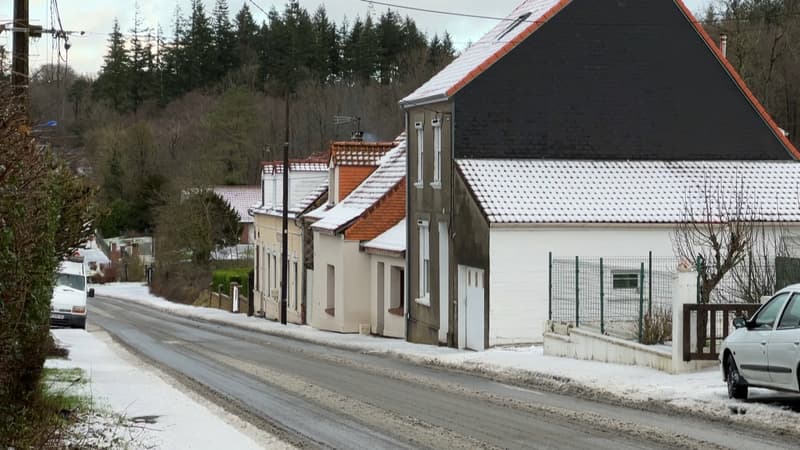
(96, 16)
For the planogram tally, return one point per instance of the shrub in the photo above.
(657, 327)
(225, 277)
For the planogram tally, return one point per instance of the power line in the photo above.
(720, 18)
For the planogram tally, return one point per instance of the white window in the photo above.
(424, 260)
(420, 151)
(437, 151)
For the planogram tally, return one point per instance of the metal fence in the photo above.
(611, 294)
(750, 280)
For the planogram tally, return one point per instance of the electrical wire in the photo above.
(720, 19)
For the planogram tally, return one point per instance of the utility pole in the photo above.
(285, 227)
(19, 65)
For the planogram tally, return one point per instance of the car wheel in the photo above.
(737, 387)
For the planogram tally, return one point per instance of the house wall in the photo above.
(470, 247)
(270, 245)
(352, 286)
(300, 184)
(611, 92)
(394, 323)
(349, 177)
(519, 283)
(430, 202)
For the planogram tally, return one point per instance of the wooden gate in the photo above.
(710, 328)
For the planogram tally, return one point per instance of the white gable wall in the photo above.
(300, 184)
(518, 269)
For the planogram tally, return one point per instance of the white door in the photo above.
(783, 349)
(751, 351)
(471, 311)
(444, 282)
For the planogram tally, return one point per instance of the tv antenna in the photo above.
(357, 134)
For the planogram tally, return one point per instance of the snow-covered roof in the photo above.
(391, 170)
(569, 191)
(241, 198)
(393, 240)
(356, 153)
(276, 167)
(519, 24)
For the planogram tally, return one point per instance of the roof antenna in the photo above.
(357, 135)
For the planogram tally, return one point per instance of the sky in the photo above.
(95, 17)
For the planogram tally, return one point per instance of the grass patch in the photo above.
(72, 376)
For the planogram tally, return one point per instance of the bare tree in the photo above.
(717, 232)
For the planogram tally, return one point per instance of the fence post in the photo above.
(577, 294)
(641, 301)
(550, 286)
(602, 296)
(650, 283)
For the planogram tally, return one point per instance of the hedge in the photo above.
(226, 276)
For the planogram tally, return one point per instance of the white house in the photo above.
(342, 281)
(387, 286)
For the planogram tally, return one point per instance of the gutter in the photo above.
(438, 98)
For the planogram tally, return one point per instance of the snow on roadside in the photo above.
(701, 392)
(129, 388)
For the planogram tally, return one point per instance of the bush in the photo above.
(226, 276)
(657, 327)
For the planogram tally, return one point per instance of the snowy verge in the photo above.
(164, 416)
(701, 393)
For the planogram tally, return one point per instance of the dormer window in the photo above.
(437, 150)
(513, 25)
(420, 151)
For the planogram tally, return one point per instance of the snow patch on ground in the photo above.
(158, 414)
(701, 392)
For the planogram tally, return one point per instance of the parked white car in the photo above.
(764, 351)
(68, 305)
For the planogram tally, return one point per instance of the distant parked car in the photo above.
(68, 304)
(764, 351)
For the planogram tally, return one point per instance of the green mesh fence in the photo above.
(610, 294)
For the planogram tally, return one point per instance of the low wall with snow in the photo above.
(568, 342)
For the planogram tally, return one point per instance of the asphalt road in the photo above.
(315, 396)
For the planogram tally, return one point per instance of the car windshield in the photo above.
(71, 280)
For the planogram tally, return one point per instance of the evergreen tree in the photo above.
(113, 83)
(174, 64)
(247, 32)
(199, 47)
(390, 40)
(325, 53)
(224, 44)
(140, 55)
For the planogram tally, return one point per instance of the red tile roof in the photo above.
(355, 153)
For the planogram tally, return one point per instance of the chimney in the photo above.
(723, 45)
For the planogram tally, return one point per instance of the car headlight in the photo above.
(79, 309)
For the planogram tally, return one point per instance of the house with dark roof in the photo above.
(576, 127)
(361, 212)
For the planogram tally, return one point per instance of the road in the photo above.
(316, 396)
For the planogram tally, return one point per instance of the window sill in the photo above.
(436, 185)
(425, 301)
(397, 311)
(419, 185)
(331, 311)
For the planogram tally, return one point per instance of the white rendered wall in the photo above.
(352, 296)
(393, 325)
(518, 269)
(269, 239)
